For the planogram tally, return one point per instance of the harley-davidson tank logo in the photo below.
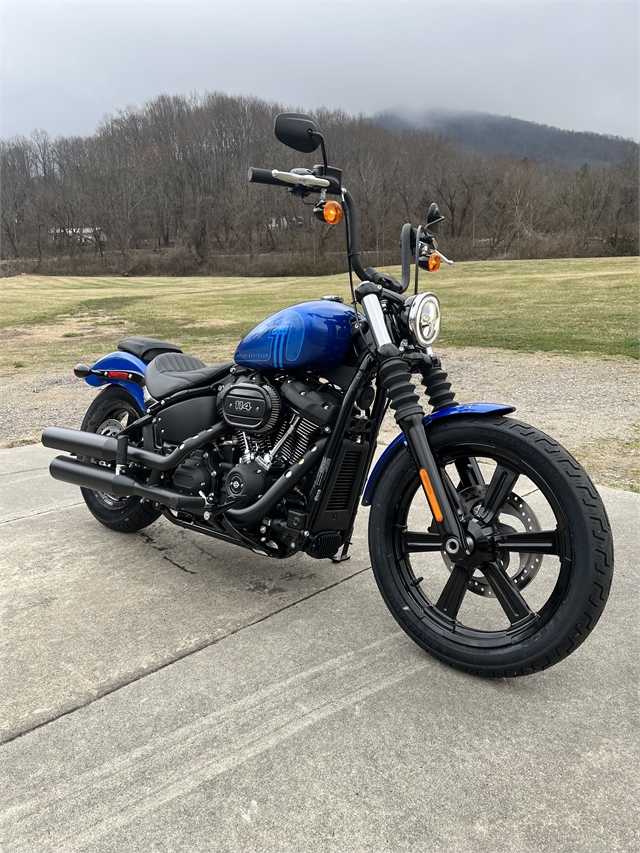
(287, 338)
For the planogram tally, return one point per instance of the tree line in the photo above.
(162, 189)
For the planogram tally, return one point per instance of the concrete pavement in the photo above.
(179, 694)
(87, 611)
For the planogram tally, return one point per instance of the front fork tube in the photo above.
(444, 505)
(396, 378)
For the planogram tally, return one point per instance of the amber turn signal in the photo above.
(332, 212)
(434, 262)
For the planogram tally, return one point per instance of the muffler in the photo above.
(81, 443)
(102, 479)
(105, 448)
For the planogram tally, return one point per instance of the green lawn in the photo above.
(568, 306)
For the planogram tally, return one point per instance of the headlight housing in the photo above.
(424, 318)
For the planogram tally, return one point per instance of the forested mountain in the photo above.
(162, 188)
(496, 134)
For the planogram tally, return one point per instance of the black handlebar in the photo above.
(264, 176)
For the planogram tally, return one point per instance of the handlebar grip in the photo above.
(264, 176)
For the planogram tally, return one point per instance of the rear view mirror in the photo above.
(298, 131)
(434, 218)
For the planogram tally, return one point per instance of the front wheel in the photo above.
(539, 575)
(110, 412)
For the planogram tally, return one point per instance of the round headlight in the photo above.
(424, 318)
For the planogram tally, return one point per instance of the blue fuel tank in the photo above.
(309, 336)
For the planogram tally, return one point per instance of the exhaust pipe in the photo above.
(105, 447)
(102, 479)
(284, 484)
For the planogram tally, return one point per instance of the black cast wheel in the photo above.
(541, 566)
(110, 412)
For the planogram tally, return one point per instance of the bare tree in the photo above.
(167, 183)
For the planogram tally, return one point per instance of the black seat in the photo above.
(172, 371)
(146, 349)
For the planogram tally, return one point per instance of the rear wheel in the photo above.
(541, 566)
(111, 411)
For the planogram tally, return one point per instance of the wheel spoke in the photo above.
(506, 592)
(501, 485)
(454, 494)
(469, 472)
(413, 542)
(536, 542)
(453, 593)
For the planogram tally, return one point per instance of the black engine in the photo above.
(274, 424)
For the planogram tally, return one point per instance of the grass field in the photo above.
(573, 306)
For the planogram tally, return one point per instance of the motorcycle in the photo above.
(489, 543)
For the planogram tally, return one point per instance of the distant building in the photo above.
(283, 222)
(83, 236)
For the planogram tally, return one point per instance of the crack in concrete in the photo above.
(202, 550)
(150, 541)
(178, 566)
(23, 471)
(43, 512)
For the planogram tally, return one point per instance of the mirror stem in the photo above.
(319, 136)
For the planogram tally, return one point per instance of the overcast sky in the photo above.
(569, 64)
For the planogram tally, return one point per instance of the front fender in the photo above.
(120, 361)
(400, 442)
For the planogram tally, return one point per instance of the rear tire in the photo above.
(530, 609)
(110, 412)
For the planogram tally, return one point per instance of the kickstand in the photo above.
(344, 556)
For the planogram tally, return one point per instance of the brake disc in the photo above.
(528, 564)
(110, 427)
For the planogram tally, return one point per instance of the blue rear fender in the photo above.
(399, 443)
(120, 361)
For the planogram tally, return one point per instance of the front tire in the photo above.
(110, 412)
(518, 611)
